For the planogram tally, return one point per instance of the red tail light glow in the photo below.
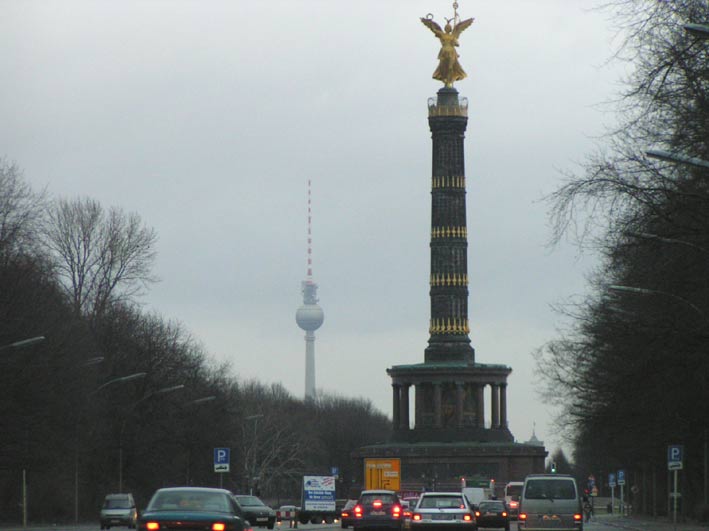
(344, 514)
(218, 526)
(358, 511)
(396, 511)
(477, 514)
(377, 504)
(152, 526)
(577, 517)
(416, 517)
(504, 514)
(514, 504)
(522, 516)
(468, 517)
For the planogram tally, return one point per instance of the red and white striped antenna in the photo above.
(310, 238)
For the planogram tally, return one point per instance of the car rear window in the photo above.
(117, 503)
(441, 502)
(384, 498)
(190, 501)
(250, 501)
(487, 505)
(550, 489)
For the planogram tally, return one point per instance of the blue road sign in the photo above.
(621, 477)
(221, 459)
(675, 453)
(611, 480)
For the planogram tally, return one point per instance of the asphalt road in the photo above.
(95, 527)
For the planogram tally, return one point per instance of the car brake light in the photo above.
(344, 514)
(396, 511)
(477, 514)
(152, 526)
(407, 514)
(514, 504)
(462, 506)
(416, 517)
(358, 511)
(218, 526)
(504, 513)
(377, 504)
(467, 517)
(522, 516)
(578, 517)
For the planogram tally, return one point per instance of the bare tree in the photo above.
(20, 211)
(100, 256)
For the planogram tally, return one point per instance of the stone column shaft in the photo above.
(503, 405)
(481, 406)
(396, 407)
(495, 406)
(437, 406)
(404, 423)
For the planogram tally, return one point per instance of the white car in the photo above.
(442, 510)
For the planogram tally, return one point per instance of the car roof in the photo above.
(441, 494)
(194, 489)
(378, 491)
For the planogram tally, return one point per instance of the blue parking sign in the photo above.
(675, 454)
(221, 459)
(621, 477)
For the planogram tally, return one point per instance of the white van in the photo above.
(550, 502)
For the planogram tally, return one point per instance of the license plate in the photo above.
(441, 517)
(264, 519)
(377, 513)
(553, 517)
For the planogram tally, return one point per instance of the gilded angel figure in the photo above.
(449, 69)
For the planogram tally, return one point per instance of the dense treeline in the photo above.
(119, 399)
(631, 372)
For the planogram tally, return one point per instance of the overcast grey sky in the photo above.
(208, 117)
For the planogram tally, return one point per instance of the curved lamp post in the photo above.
(24, 343)
(647, 291)
(131, 408)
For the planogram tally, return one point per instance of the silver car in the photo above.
(442, 510)
(118, 510)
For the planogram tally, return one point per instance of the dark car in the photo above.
(192, 508)
(493, 513)
(378, 509)
(255, 511)
(347, 514)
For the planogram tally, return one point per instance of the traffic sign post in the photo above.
(222, 457)
(611, 484)
(675, 462)
(621, 483)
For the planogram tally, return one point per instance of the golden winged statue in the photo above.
(449, 69)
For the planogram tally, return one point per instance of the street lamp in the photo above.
(646, 291)
(132, 407)
(252, 470)
(669, 156)
(114, 381)
(698, 30)
(24, 343)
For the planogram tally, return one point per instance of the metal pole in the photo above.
(612, 499)
(76, 484)
(24, 497)
(705, 467)
(674, 510)
(120, 467)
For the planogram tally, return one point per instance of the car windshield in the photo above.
(250, 501)
(187, 500)
(441, 502)
(382, 497)
(490, 506)
(552, 489)
(117, 503)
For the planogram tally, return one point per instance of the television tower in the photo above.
(309, 316)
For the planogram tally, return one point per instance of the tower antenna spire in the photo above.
(310, 315)
(310, 234)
